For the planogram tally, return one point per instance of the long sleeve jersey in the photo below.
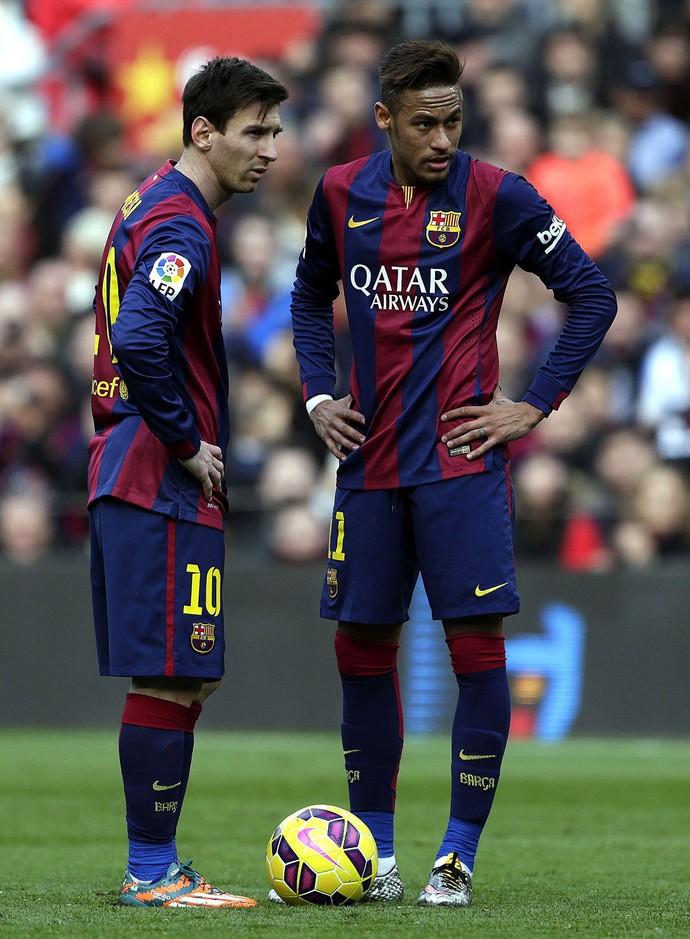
(160, 380)
(424, 271)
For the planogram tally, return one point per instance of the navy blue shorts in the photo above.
(156, 585)
(458, 533)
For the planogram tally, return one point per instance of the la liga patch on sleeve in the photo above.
(168, 273)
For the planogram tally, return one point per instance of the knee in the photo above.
(207, 688)
(476, 653)
(180, 690)
(358, 656)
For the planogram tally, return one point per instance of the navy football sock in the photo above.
(479, 736)
(372, 732)
(192, 717)
(152, 761)
(382, 827)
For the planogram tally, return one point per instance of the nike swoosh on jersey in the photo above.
(159, 787)
(476, 756)
(351, 223)
(478, 592)
(356, 750)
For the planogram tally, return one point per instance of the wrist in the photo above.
(316, 399)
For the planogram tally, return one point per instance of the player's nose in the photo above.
(268, 151)
(440, 140)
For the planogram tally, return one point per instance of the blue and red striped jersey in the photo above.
(160, 380)
(424, 270)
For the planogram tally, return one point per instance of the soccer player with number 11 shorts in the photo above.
(423, 239)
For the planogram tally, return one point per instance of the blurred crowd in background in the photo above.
(588, 99)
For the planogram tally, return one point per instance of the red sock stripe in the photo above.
(143, 710)
(476, 653)
(360, 657)
(193, 713)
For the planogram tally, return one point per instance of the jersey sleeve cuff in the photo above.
(545, 394)
(320, 385)
(184, 449)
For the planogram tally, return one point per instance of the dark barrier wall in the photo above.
(589, 654)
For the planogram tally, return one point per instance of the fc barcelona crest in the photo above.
(203, 637)
(332, 582)
(443, 229)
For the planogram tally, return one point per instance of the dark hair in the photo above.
(222, 87)
(416, 64)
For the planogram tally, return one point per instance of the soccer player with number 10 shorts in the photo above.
(156, 491)
(423, 238)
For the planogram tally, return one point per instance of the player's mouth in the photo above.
(438, 164)
(256, 172)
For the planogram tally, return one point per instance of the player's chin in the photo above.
(435, 174)
(247, 185)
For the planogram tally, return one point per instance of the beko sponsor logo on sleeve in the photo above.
(552, 235)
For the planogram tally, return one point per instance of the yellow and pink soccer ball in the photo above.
(323, 855)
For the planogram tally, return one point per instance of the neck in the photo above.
(198, 170)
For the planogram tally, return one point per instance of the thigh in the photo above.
(157, 593)
(463, 531)
(372, 567)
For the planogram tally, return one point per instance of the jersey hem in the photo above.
(470, 469)
(143, 503)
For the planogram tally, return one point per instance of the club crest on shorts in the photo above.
(203, 637)
(332, 582)
(443, 228)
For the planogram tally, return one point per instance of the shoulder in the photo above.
(176, 214)
(168, 194)
(486, 174)
(484, 180)
(341, 177)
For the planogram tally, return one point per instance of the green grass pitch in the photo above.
(587, 838)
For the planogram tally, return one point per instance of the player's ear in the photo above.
(382, 116)
(202, 131)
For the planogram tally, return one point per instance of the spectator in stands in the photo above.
(556, 519)
(621, 461)
(295, 531)
(664, 391)
(491, 35)
(589, 189)
(255, 271)
(659, 528)
(668, 51)
(338, 129)
(23, 62)
(620, 356)
(644, 257)
(85, 231)
(26, 523)
(502, 91)
(567, 74)
(659, 141)
(513, 141)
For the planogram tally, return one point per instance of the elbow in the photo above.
(123, 346)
